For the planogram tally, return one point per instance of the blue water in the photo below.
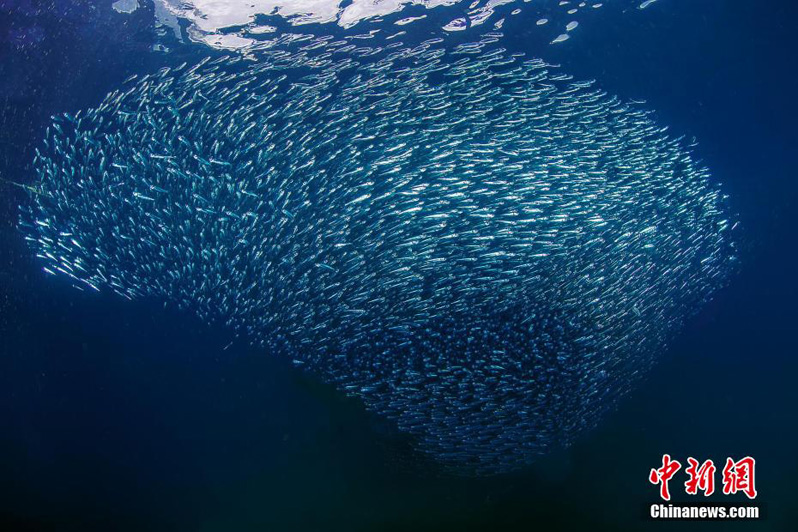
(120, 416)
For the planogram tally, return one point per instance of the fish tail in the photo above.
(28, 188)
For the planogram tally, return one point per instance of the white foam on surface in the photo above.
(208, 19)
(125, 6)
(236, 24)
(166, 19)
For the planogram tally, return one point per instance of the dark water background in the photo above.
(125, 416)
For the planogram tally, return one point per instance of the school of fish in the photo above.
(482, 249)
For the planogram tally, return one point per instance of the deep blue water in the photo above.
(124, 416)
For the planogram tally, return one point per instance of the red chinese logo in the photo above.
(701, 478)
(663, 475)
(737, 476)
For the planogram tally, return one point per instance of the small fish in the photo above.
(479, 247)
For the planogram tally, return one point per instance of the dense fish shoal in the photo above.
(482, 249)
